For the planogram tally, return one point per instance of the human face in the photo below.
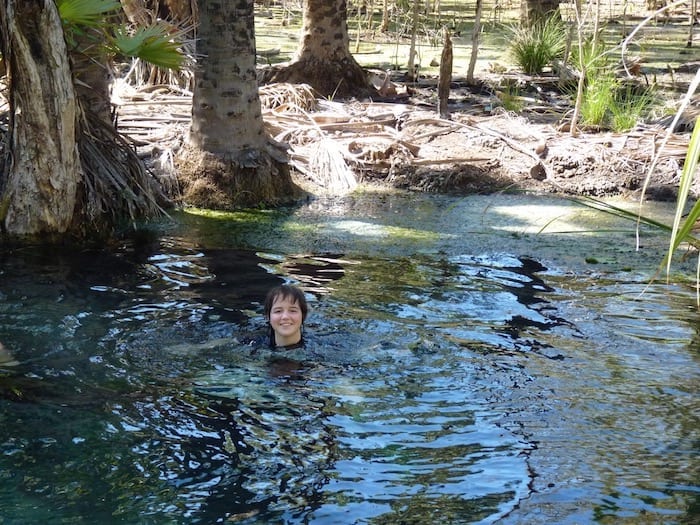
(285, 320)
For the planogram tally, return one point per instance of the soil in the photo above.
(547, 160)
(481, 148)
(534, 151)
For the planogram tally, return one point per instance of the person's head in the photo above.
(285, 311)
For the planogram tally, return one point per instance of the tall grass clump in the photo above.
(534, 48)
(608, 101)
(598, 97)
(612, 104)
(630, 107)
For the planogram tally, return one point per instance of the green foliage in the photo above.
(610, 104)
(86, 13)
(629, 107)
(608, 101)
(155, 44)
(537, 47)
(598, 97)
(682, 230)
(590, 56)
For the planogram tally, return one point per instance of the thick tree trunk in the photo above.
(323, 59)
(64, 171)
(230, 161)
(226, 112)
(534, 11)
(40, 181)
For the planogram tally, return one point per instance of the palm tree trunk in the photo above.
(323, 59)
(535, 11)
(226, 112)
(64, 170)
(230, 161)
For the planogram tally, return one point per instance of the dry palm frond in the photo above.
(288, 97)
(116, 183)
(328, 168)
(314, 152)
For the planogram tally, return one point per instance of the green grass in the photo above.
(630, 107)
(598, 97)
(537, 47)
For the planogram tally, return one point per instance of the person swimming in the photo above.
(285, 311)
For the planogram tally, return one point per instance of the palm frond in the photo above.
(86, 12)
(155, 44)
(616, 211)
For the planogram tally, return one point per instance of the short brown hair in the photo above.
(286, 291)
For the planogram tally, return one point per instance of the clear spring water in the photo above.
(463, 367)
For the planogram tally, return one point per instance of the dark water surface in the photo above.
(463, 366)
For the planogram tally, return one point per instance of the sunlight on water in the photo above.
(535, 218)
(456, 385)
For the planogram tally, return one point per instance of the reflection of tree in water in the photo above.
(266, 456)
(527, 292)
(315, 273)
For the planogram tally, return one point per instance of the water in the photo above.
(463, 367)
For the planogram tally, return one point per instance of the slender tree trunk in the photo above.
(412, 65)
(475, 42)
(230, 161)
(41, 177)
(384, 27)
(323, 59)
(445, 79)
(580, 86)
(691, 25)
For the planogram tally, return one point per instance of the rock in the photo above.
(538, 172)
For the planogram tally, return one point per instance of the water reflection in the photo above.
(461, 388)
(366, 441)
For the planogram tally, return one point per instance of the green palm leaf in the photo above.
(154, 44)
(86, 12)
